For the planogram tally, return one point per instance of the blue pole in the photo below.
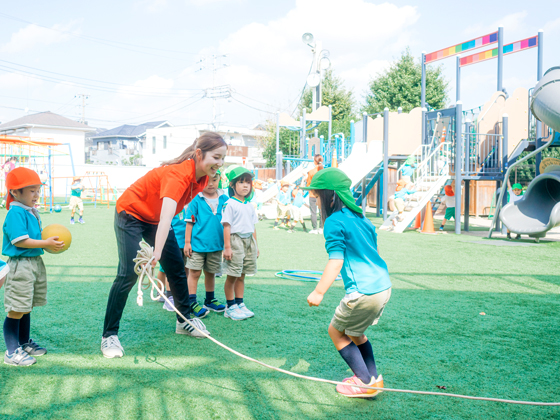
(500, 57)
(385, 160)
(458, 163)
(423, 96)
(458, 80)
(50, 178)
(538, 128)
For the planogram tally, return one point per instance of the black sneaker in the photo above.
(509, 235)
(518, 236)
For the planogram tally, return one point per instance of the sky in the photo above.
(134, 61)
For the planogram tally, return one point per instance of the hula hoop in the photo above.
(300, 275)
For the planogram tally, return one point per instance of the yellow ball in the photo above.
(63, 234)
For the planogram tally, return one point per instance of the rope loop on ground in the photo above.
(143, 268)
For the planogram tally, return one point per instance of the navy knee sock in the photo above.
(353, 358)
(192, 299)
(24, 327)
(367, 355)
(238, 301)
(230, 302)
(11, 334)
(209, 297)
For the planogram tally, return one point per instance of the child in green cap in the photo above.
(240, 241)
(515, 193)
(351, 242)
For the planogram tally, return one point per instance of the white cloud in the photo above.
(552, 26)
(513, 23)
(212, 2)
(17, 81)
(33, 36)
(153, 85)
(152, 5)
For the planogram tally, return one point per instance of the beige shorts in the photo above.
(399, 204)
(76, 202)
(283, 210)
(354, 316)
(296, 212)
(207, 261)
(244, 259)
(26, 284)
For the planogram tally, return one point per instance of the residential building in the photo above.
(123, 145)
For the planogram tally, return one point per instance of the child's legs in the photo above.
(212, 265)
(339, 339)
(81, 207)
(229, 287)
(16, 315)
(194, 275)
(239, 286)
(209, 281)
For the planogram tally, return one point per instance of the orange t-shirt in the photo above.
(310, 176)
(144, 198)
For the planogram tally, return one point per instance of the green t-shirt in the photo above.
(78, 191)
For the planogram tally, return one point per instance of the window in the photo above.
(153, 145)
(165, 142)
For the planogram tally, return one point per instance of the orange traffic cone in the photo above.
(418, 222)
(428, 220)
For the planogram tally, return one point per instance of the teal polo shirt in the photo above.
(179, 225)
(207, 232)
(21, 222)
(352, 238)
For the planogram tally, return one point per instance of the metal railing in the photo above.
(483, 154)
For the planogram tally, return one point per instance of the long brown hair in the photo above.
(206, 143)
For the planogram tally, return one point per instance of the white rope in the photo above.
(143, 268)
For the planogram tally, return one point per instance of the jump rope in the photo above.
(144, 270)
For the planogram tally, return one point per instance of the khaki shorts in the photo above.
(26, 284)
(76, 202)
(399, 204)
(296, 211)
(283, 210)
(207, 261)
(244, 259)
(354, 316)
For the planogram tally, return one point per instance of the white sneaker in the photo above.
(313, 231)
(246, 310)
(234, 313)
(188, 329)
(320, 231)
(111, 347)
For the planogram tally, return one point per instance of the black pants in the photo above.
(130, 231)
(313, 209)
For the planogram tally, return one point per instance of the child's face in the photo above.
(284, 188)
(212, 185)
(517, 191)
(213, 161)
(243, 187)
(28, 196)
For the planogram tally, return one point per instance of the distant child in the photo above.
(76, 200)
(403, 189)
(204, 243)
(240, 242)
(449, 201)
(26, 281)
(4, 269)
(297, 204)
(179, 226)
(284, 205)
(351, 242)
(408, 169)
(515, 193)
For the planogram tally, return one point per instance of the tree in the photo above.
(401, 85)
(343, 107)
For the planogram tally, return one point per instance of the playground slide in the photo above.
(292, 177)
(362, 160)
(539, 209)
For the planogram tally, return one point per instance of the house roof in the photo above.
(130, 130)
(44, 119)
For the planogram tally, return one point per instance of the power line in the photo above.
(252, 107)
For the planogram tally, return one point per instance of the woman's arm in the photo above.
(168, 209)
(327, 279)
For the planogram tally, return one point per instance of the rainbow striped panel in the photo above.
(459, 48)
(514, 47)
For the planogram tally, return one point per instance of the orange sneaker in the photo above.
(353, 390)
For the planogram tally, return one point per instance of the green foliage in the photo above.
(525, 173)
(132, 160)
(401, 85)
(343, 109)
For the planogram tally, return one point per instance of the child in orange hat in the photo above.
(26, 282)
(449, 201)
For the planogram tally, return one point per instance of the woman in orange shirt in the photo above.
(145, 211)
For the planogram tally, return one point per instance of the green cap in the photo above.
(411, 160)
(235, 171)
(335, 179)
(516, 187)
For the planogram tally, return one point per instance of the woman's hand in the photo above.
(157, 256)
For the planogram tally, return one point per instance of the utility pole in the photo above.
(84, 96)
(216, 92)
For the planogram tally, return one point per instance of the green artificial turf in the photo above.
(431, 334)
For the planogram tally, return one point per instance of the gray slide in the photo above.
(539, 209)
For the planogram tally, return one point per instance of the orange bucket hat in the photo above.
(401, 184)
(20, 178)
(448, 191)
